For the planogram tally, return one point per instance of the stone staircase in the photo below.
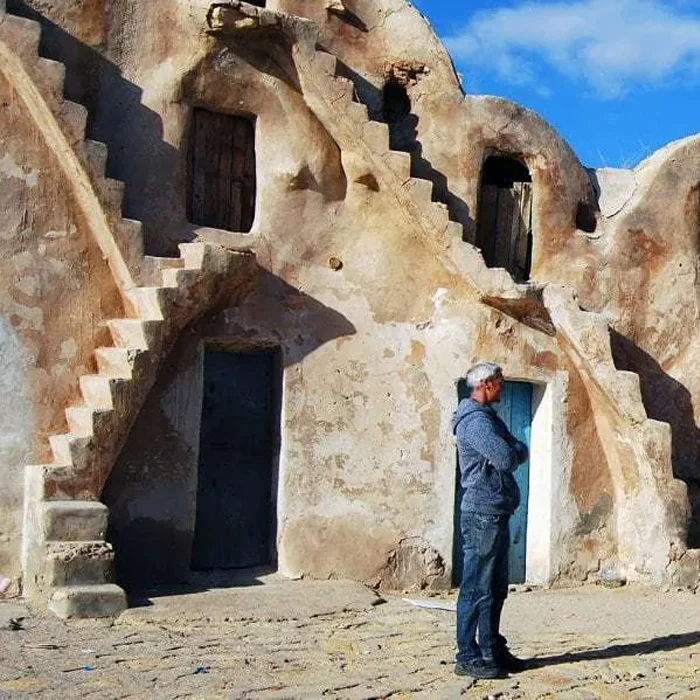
(66, 559)
(651, 522)
(367, 157)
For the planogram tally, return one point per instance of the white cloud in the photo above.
(613, 45)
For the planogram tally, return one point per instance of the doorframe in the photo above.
(241, 346)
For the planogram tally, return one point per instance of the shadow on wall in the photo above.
(152, 490)
(666, 399)
(133, 133)
(392, 105)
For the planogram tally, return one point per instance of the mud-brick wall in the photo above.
(56, 293)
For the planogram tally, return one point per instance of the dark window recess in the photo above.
(504, 231)
(586, 217)
(257, 3)
(222, 173)
(396, 102)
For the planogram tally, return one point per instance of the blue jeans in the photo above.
(484, 586)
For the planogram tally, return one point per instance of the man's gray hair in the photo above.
(481, 372)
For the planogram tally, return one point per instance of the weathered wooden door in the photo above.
(222, 171)
(515, 410)
(238, 446)
(505, 227)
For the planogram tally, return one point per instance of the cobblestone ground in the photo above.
(336, 640)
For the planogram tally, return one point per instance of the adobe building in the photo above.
(249, 252)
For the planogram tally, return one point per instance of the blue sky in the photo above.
(617, 78)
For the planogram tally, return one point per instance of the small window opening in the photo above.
(504, 231)
(586, 217)
(396, 102)
(257, 3)
(222, 173)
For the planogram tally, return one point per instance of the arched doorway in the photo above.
(504, 231)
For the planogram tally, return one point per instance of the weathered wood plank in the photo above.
(488, 212)
(523, 243)
(504, 223)
(222, 189)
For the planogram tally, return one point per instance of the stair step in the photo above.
(74, 520)
(151, 303)
(326, 62)
(50, 76)
(79, 563)
(400, 164)
(421, 190)
(376, 135)
(85, 421)
(111, 195)
(358, 112)
(134, 333)
(100, 391)
(193, 255)
(23, 36)
(71, 450)
(107, 600)
(118, 362)
(180, 279)
(73, 119)
(97, 154)
(152, 269)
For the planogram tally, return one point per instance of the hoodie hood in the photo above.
(468, 407)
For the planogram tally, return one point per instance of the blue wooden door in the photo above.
(515, 410)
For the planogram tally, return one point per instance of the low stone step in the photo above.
(325, 62)
(50, 77)
(376, 136)
(100, 391)
(135, 334)
(97, 154)
(79, 563)
(84, 421)
(151, 303)
(74, 521)
(119, 362)
(400, 164)
(107, 600)
(152, 269)
(193, 254)
(23, 36)
(71, 450)
(73, 120)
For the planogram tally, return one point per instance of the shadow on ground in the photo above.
(667, 643)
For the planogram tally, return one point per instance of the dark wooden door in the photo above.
(237, 453)
(222, 177)
(515, 410)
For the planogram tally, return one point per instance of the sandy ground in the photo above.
(335, 639)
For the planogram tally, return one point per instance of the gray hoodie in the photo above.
(488, 456)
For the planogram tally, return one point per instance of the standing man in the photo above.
(488, 456)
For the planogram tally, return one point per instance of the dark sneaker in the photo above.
(478, 668)
(509, 662)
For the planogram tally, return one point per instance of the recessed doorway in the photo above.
(515, 410)
(235, 523)
(504, 231)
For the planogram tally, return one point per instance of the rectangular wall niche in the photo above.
(222, 171)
